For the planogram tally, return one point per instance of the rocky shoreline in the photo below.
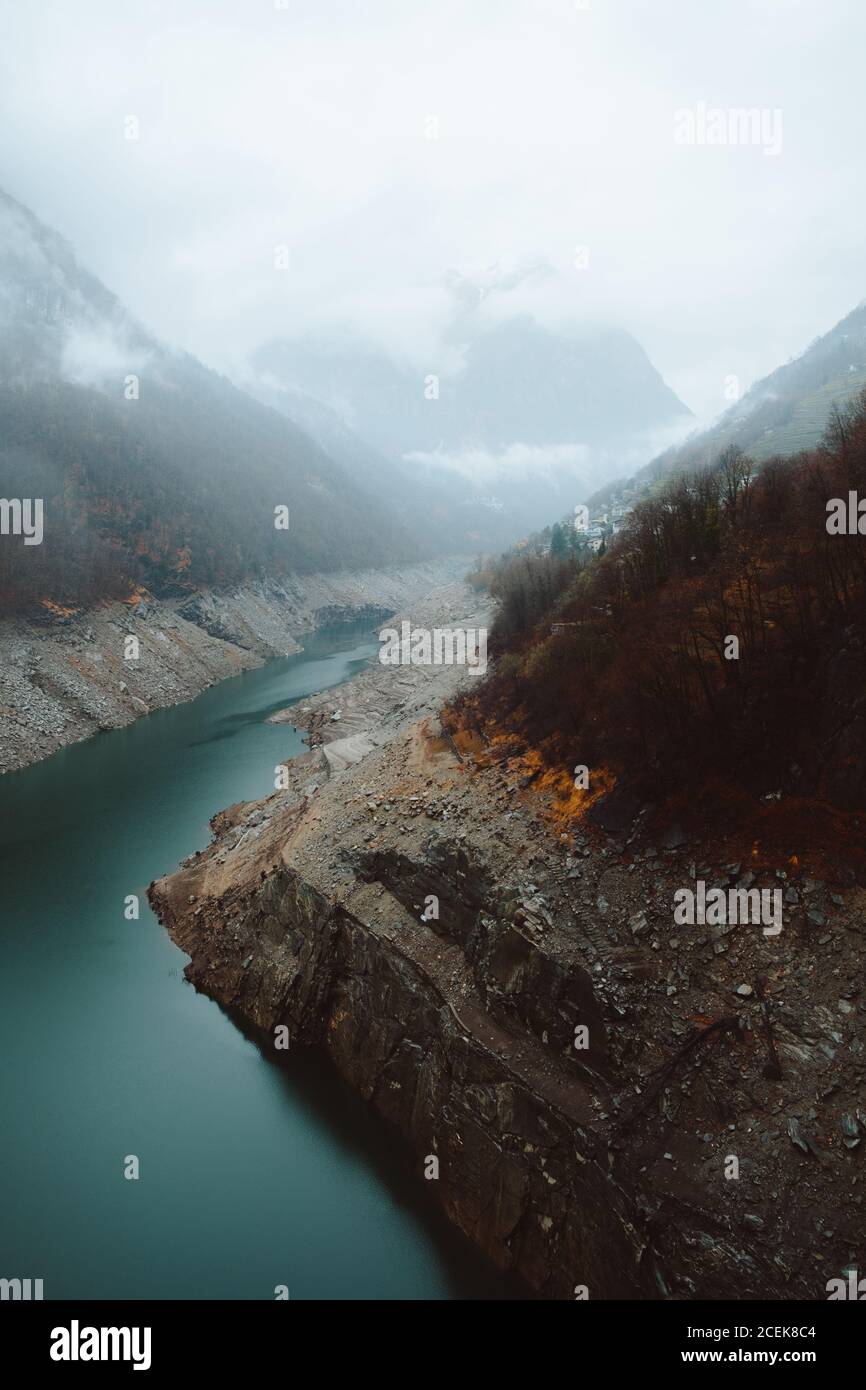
(65, 676)
(416, 909)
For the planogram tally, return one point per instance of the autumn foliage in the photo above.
(641, 674)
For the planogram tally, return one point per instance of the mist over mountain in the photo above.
(514, 414)
(434, 515)
(153, 469)
(156, 471)
(525, 959)
(786, 411)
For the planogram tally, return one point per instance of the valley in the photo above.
(432, 752)
(68, 675)
(252, 1175)
(505, 984)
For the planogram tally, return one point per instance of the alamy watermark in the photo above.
(438, 646)
(20, 1290)
(22, 516)
(733, 906)
(851, 1288)
(846, 516)
(77, 1343)
(730, 125)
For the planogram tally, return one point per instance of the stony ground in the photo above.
(65, 675)
(723, 1083)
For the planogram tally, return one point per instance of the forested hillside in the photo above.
(153, 470)
(624, 662)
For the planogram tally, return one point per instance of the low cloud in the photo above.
(384, 145)
(517, 461)
(98, 358)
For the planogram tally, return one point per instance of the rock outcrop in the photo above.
(425, 1021)
(513, 997)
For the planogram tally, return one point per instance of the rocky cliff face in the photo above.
(522, 1168)
(67, 675)
(414, 913)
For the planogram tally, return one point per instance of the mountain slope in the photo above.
(445, 509)
(714, 655)
(153, 469)
(520, 382)
(516, 419)
(788, 410)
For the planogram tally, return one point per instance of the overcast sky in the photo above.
(308, 123)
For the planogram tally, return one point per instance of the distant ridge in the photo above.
(154, 470)
(783, 413)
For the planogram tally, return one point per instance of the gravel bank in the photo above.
(65, 677)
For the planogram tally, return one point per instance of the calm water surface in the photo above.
(252, 1175)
